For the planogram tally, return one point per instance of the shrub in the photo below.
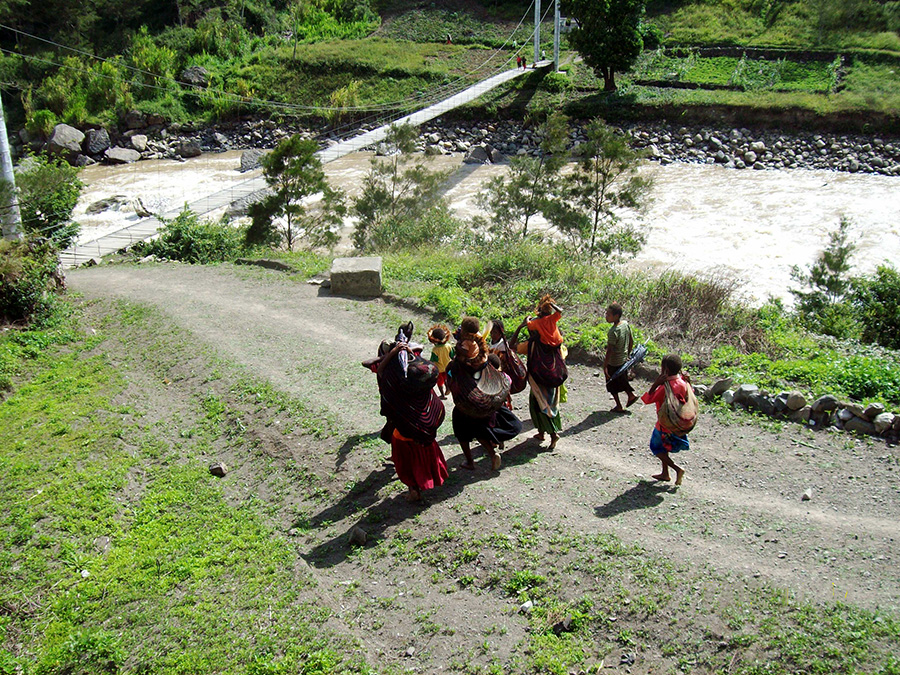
(48, 192)
(430, 228)
(28, 275)
(877, 301)
(41, 123)
(188, 239)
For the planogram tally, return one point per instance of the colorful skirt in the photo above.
(664, 441)
(419, 467)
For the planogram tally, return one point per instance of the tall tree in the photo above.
(530, 186)
(605, 181)
(607, 35)
(294, 174)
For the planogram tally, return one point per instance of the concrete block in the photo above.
(356, 276)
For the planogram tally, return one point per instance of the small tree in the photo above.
(48, 192)
(608, 35)
(877, 302)
(397, 188)
(604, 181)
(824, 286)
(512, 201)
(294, 174)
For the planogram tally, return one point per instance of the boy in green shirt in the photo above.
(619, 343)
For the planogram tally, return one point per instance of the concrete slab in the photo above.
(356, 276)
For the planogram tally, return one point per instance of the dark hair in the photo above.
(671, 364)
(498, 324)
(615, 309)
(438, 334)
(494, 360)
(470, 325)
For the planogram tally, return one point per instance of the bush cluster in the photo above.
(28, 277)
(188, 239)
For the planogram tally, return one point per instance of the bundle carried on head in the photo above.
(471, 348)
(546, 305)
(438, 334)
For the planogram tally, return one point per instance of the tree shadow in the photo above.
(644, 495)
(394, 510)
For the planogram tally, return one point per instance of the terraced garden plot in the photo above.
(743, 73)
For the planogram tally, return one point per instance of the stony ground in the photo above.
(419, 595)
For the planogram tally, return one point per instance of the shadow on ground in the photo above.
(644, 495)
(365, 508)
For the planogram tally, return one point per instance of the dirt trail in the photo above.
(739, 512)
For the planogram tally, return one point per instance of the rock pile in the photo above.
(149, 137)
(825, 411)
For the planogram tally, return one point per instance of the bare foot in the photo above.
(413, 496)
(496, 462)
(618, 409)
(679, 475)
(662, 476)
(468, 465)
(631, 400)
(539, 436)
(553, 440)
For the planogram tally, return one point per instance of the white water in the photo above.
(750, 226)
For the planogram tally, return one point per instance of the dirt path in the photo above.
(739, 514)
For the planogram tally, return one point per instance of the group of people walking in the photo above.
(481, 369)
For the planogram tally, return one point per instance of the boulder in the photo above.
(356, 276)
(65, 140)
(750, 157)
(119, 155)
(825, 403)
(113, 203)
(873, 410)
(195, 76)
(250, 159)
(241, 207)
(860, 426)
(883, 422)
(728, 396)
(135, 119)
(139, 142)
(761, 403)
(96, 142)
(83, 160)
(358, 536)
(796, 401)
(497, 157)
(802, 415)
(700, 390)
(477, 155)
(743, 393)
(719, 387)
(188, 149)
(758, 147)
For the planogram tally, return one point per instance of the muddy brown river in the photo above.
(750, 226)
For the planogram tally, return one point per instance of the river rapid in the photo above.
(747, 226)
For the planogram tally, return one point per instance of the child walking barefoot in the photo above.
(666, 441)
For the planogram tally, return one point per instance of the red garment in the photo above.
(679, 388)
(546, 327)
(419, 467)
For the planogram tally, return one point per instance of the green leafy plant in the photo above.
(48, 192)
(188, 239)
(28, 276)
(876, 300)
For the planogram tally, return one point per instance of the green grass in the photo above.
(188, 570)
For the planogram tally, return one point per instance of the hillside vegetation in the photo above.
(76, 64)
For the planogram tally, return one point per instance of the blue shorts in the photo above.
(663, 441)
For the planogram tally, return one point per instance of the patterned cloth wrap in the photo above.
(409, 402)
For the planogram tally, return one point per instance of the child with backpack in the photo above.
(676, 415)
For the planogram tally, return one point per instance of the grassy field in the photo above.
(121, 553)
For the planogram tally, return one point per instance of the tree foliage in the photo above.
(608, 35)
(397, 188)
(294, 174)
(824, 286)
(877, 303)
(48, 192)
(605, 181)
(531, 184)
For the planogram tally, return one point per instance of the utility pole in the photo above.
(12, 219)
(537, 30)
(555, 36)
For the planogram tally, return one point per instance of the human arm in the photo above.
(396, 349)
